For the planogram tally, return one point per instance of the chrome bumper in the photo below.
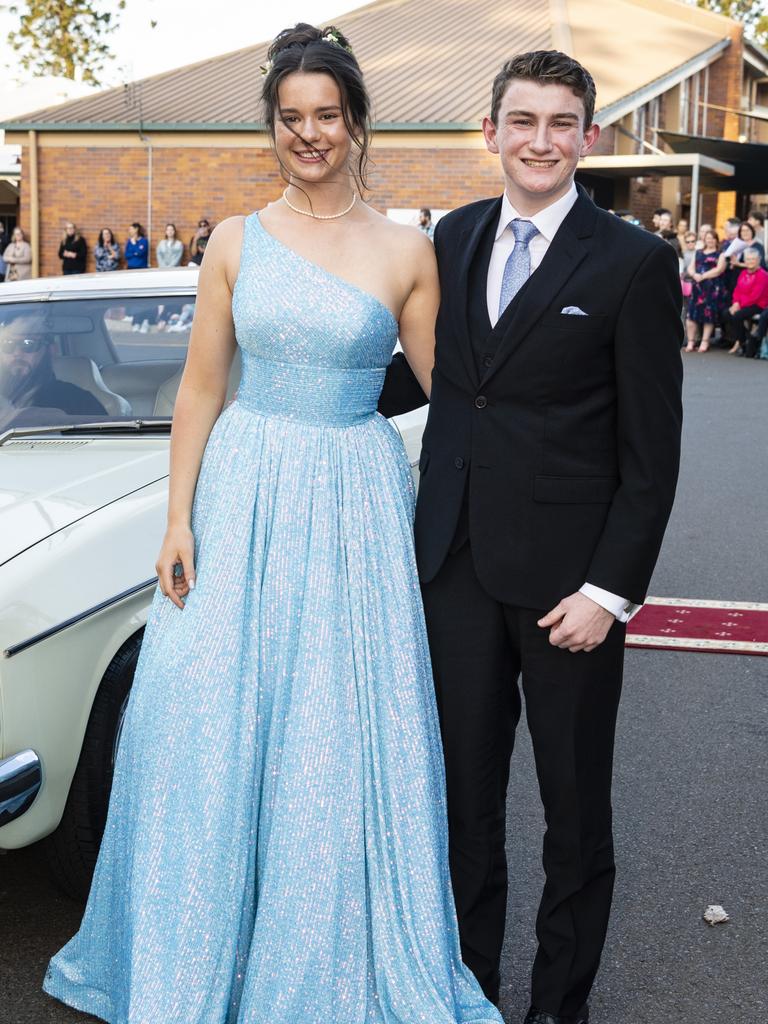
(21, 776)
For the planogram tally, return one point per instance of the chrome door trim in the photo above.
(38, 638)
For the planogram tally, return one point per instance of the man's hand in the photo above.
(734, 308)
(577, 624)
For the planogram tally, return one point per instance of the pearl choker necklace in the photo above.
(318, 216)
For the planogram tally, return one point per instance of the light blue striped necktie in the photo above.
(518, 266)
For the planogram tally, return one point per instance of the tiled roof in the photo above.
(426, 62)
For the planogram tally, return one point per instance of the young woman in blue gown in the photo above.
(276, 847)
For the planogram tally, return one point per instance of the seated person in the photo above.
(758, 346)
(750, 298)
(26, 372)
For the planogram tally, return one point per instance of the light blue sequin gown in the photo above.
(276, 847)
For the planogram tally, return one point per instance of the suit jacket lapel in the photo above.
(468, 242)
(564, 255)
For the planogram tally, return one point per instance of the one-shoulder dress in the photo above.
(276, 846)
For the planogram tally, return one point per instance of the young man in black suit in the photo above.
(548, 472)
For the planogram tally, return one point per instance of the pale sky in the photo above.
(188, 32)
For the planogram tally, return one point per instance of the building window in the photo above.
(685, 99)
(639, 120)
(654, 115)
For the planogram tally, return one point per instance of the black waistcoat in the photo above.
(484, 344)
(484, 338)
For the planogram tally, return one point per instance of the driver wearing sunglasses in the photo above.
(26, 372)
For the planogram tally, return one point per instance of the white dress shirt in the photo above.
(547, 222)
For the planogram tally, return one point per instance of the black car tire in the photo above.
(73, 848)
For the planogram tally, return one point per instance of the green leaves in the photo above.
(750, 12)
(65, 38)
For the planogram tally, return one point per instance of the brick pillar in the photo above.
(725, 85)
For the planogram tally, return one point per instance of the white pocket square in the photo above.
(573, 311)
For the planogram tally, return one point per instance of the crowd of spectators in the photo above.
(108, 254)
(724, 281)
(725, 285)
(724, 277)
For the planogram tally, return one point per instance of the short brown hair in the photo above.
(547, 67)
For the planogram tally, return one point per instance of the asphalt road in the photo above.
(691, 784)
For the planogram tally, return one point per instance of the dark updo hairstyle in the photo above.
(313, 50)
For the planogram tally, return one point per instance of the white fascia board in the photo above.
(610, 114)
(649, 163)
(756, 57)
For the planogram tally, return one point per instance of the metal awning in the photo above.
(706, 172)
(748, 159)
(712, 173)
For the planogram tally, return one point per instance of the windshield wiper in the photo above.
(132, 426)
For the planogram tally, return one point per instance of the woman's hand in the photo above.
(178, 550)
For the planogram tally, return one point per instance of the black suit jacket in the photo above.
(568, 443)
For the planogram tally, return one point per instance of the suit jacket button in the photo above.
(487, 361)
(458, 462)
(480, 402)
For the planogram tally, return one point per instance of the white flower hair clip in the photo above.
(330, 36)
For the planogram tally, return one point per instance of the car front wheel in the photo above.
(73, 848)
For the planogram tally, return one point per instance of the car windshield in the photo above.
(91, 360)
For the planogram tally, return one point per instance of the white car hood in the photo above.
(47, 484)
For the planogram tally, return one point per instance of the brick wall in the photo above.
(108, 187)
(442, 178)
(644, 198)
(725, 76)
(708, 212)
(606, 143)
(725, 83)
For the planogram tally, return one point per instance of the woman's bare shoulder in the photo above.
(228, 230)
(224, 246)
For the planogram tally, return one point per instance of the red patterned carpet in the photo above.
(686, 624)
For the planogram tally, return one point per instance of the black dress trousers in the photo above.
(480, 648)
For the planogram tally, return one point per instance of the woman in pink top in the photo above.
(750, 297)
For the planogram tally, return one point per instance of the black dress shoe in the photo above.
(539, 1017)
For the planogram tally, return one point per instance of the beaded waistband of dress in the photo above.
(324, 395)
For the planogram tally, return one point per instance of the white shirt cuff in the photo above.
(621, 609)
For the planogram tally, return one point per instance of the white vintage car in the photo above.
(89, 369)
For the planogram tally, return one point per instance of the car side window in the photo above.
(112, 357)
(150, 329)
